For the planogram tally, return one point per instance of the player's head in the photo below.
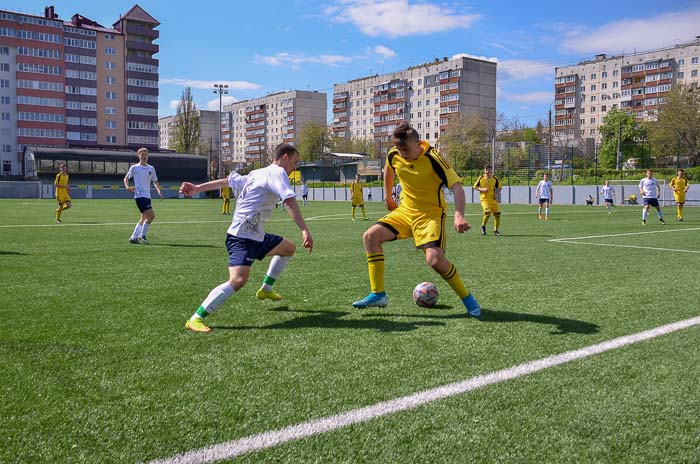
(546, 176)
(649, 173)
(607, 182)
(407, 141)
(142, 153)
(287, 156)
(488, 170)
(681, 172)
(63, 167)
(357, 177)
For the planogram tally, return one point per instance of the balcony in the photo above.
(135, 29)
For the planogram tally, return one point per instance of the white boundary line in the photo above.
(573, 240)
(273, 438)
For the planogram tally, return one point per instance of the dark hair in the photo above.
(403, 134)
(488, 166)
(285, 149)
(681, 170)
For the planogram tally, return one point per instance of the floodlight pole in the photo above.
(221, 89)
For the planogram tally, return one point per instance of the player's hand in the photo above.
(131, 189)
(188, 189)
(391, 204)
(461, 224)
(308, 241)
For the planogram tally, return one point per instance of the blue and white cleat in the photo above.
(473, 308)
(378, 300)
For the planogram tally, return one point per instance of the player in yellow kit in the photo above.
(489, 186)
(226, 196)
(423, 173)
(62, 191)
(679, 185)
(357, 198)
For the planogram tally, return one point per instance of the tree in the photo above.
(187, 124)
(466, 141)
(619, 126)
(313, 141)
(676, 132)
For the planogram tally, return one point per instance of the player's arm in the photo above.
(159, 189)
(126, 183)
(188, 189)
(461, 224)
(537, 191)
(295, 214)
(388, 184)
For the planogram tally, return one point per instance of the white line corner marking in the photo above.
(577, 240)
(273, 438)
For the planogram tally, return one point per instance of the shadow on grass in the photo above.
(12, 253)
(563, 325)
(334, 320)
(182, 245)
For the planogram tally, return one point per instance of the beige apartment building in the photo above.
(209, 132)
(637, 83)
(252, 128)
(426, 95)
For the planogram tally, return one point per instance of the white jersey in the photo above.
(304, 189)
(545, 189)
(649, 186)
(259, 192)
(142, 175)
(608, 192)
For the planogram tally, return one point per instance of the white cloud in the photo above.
(509, 70)
(173, 104)
(397, 18)
(213, 105)
(295, 60)
(207, 85)
(476, 57)
(384, 52)
(641, 34)
(502, 47)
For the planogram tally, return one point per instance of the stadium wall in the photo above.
(20, 189)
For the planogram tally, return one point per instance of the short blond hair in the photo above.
(142, 149)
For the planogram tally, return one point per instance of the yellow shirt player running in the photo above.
(423, 173)
(489, 186)
(62, 191)
(226, 195)
(357, 198)
(679, 185)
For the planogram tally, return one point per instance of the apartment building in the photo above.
(252, 128)
(427, 96)
(76, 82)
(208, 137)
(637, 83)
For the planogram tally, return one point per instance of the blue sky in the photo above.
(269, 46)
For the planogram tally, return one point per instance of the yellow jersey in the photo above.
(679, 183)
(356, 190)
(61, 181)
(422, 179)
(492, 184)
(225, 193)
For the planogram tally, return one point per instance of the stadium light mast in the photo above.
(221, 89)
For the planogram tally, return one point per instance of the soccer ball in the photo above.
(425, 294)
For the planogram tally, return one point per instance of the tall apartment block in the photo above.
(208, 137)
(427, 96)
(637, 83)
(252, 128)
(76, 82)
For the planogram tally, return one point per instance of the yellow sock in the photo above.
(59, 211)
(485, 219)
(679, 208)
(353, 212)
(364, 213)
(497, 221)
(375, 265)
(452, 278)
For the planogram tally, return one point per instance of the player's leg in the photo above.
(485, 215)
(659, 213)
(546, 210)
(147, 218)
(497, 223)
(353, 212)
(364, 213)
(281, 252)
(373, 239)
(645, 211)
(238, 276)
(436, 259)
(539, 210)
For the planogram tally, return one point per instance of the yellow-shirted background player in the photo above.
(226, 195)
(357, 197)
(62, 191)
(423, 173)
(679, 185)
(489, 186)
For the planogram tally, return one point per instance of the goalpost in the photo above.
(625, 188)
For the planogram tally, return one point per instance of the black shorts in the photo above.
(609, 201)
(143, 203)
(544, 200)
(651, 202)
(244, 251)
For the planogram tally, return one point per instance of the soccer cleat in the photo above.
(539, 216)
(644, 222)
(365, 219)
(546, 218)
(263, 295)
(134, 241)
(680, 219)
(662, 220)
(378, 300)
(197, 325)
(473, 308)
(496, 233)
(483, 230)
(143, 240)
(58, 220)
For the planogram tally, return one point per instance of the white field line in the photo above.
(576, 240)
(273, 438)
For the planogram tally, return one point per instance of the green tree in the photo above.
(465, 141)
(187, 124)
(676, 132)
(619, 126)
(313, 141)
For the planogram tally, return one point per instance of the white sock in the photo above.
(215, 299)
(277, 266)
(546, 211)
(137, 231)
(644, 215)
(145, 229)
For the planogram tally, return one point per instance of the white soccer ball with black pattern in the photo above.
(425, 294)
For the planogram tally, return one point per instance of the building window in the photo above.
(111, 95)
(694, 73)
(110, 80)
(593, 76)
(111, 139)
(681, 62)
(110, 65)
(604, 74)
(615, 72)
(681, 74)
(111, 124)
(110, 51)
(694, 60)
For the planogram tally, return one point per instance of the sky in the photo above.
(262, 47)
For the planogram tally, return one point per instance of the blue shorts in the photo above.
(243, 251)
(544, 200)
(143, 203)
(651, 202)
